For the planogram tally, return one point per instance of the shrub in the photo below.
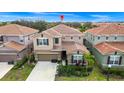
(59, 61)
(21, 63)
(72, 70)
(31, 58)
(90, 59)
(114, 71)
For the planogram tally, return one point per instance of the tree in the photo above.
(3, 23)
(90, 59)
(40, 25)
(86, 26)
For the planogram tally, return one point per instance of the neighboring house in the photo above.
(12, 37)
(12, 51)
(60, 42)
(106, 43)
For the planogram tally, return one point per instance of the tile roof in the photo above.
(109, 47)
(16, 30)
(52, 32)
(64, 30)
(14, 45)
(73, 46)
(109, 29)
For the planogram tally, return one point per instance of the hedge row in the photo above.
(71, 70)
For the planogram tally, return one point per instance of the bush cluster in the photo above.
(114, 71)
(20, 63)
(31, 58)
(72, 70)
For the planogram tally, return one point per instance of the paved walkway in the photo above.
(4, 68)
(43, 71)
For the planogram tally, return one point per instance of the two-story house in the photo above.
(15, 41)
(60, 42)
(107, 44)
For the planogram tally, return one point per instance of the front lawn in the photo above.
(18, 74)
(96, 75)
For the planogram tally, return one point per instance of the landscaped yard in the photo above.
(96, 75)
(18, 74)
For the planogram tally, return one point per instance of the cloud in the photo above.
(56, 14)
(99, 18)
(13, 17)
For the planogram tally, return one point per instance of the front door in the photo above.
(63, 55)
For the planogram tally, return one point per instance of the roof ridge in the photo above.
(73, 28)
(68, 27)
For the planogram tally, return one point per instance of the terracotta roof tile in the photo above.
(16, 30)
(109, 47)
(73, 46)
(62, 29)
(109, 29)
(15, 45)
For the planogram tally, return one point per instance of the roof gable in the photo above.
(16, 30)
(63, 30)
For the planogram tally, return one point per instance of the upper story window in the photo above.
(98, 37)
(79, 37)
(42, 41)
(21, 38)
(56, 40)
(41, 35)
(28, 37)
(93, 38)
(107, 38)
(1, 38)
(71, 37)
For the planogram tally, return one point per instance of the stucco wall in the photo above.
(45, 47)
(74, 38)
(102, 59)
(94, 39)
(110, 38)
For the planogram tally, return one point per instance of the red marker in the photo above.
(62, 17)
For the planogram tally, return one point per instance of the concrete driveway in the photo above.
(43, 71)
(4, 68)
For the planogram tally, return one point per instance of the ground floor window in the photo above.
(114, 59)
(77, 58)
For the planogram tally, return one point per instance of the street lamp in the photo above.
(109, 67)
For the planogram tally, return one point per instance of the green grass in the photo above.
(96, 75)
(18, 74)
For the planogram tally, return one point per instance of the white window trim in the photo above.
(54, 41)
(42, 41)
(114, 57)
(77, 56)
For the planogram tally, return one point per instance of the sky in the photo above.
(68, 16)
